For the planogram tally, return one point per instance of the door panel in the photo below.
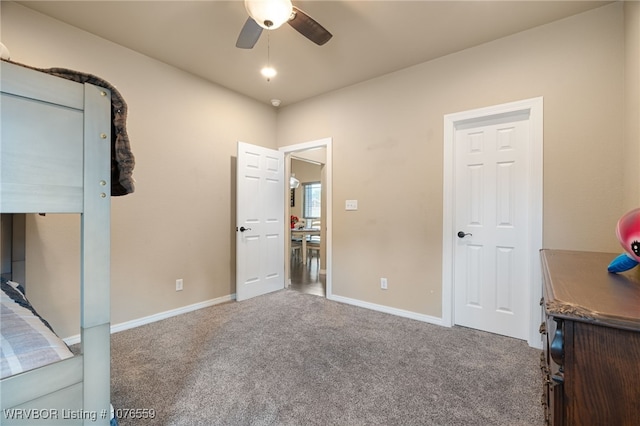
(260, 212)
(491, 260)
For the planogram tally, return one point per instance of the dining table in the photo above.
(304, 234)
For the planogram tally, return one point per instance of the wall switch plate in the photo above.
(351, 205)
(383, 283)
(179, 284)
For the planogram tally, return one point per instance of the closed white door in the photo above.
(260, 229)
(492, 247)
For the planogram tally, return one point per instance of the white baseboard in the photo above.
(388, 310)
(72, 340)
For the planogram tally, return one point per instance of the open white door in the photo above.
(259, 221)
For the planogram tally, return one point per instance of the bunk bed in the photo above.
(57, 156)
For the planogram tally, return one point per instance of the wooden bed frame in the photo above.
(55, 157)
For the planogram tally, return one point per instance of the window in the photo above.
(311, 202)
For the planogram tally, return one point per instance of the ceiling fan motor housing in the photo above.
(269, 14)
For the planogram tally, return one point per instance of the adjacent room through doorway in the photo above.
(308, 253)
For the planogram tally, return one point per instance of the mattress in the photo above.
(28, 341)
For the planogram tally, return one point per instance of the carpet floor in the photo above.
(288, 358)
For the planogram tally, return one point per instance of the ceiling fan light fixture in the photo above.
(269, 14)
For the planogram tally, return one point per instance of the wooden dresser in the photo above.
(591, 332)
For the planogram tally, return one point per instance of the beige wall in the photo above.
(387, 151)
(305, 172)
(180, 221)
(631, 178)
(387, 144)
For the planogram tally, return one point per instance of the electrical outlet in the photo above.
(179, 284)
(383, 283)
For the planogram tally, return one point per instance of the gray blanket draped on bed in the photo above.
(122, 159)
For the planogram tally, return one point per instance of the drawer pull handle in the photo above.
(557, 344)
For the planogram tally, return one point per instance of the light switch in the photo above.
(351, 205)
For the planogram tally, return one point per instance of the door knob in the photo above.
(242, 229)
(462, 234)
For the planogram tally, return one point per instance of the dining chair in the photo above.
(296, 248)
(315, 224)
(313, 250)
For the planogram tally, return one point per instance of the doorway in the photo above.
(306, 207)
(313, 275)
(492, 229)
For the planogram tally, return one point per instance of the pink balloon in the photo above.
(628, 232)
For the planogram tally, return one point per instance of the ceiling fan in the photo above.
(271, 14)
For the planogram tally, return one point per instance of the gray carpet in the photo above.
(297, 359)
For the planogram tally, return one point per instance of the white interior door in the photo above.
(492, 248)
(260, 229)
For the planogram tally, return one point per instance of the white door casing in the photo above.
(260, 229)
(493, 193)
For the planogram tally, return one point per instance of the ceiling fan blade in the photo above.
(308, 27)
(249, 34)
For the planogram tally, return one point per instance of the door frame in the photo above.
(534, 107)
(320, 143)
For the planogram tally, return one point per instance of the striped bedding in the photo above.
(27, 340)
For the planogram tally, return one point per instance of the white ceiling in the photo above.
(370, 38)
